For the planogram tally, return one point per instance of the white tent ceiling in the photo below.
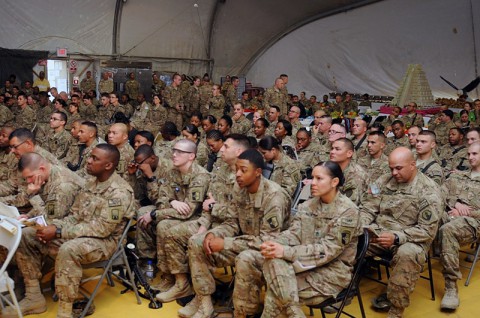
(365, 43)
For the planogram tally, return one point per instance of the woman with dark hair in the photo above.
(170, 135)
(60, 105)
(280, 168)
(208, 123)
(215, 141)
(143, 137)
(260, 128)
(283, 132)
(313, 260)
(225, 124)
(191, 132)
(156, 116)
(464, 122)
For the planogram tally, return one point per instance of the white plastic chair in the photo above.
(10, 235)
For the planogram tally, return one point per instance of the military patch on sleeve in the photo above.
(121, 166)
(196, 194)
(273, 222)
(423, 204)
(427, 215)
(348, 193)
(115, 208)
(345, 236)
(50, 208)
(114, 202)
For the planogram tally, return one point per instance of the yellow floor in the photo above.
(110, 303)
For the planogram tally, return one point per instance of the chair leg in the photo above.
(430, 276)
(473, 265)
(360, 303)
(132, 278)
(11, 291)
(311, 311)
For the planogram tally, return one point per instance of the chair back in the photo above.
(10, 236)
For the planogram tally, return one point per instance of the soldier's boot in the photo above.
(206, 307)
(295, 311)
(395, 312)
(166, 282)
(450, 300)
(190, 309)
(65, 309)
(33, 303)
(181, 288)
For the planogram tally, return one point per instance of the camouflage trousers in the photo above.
(452, 235)
(406, 266)
(69, 257)
(175, 117)
(285, 288)
(248, 274)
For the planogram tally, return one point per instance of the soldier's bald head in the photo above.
(31, 161)
(120, 127)
(402, 165)
(403, 154)
(186, 145)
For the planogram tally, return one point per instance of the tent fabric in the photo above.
(20, 63)
(368, 50)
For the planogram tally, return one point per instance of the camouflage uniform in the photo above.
(25, 118)
(374, 168)
(88, 84)
(169, 225)
(393, 143)
(251, 219)
(432, 169)
(126, 156)
(286, 173)
(273, 96)
(59, 143)
(295, 127)
(355, 182)
(132, 88)
(412, 212)
(453, 157)
(460, 230)
(105, 86)
(215, 106)
(71, 119)
(441, 131)
(139, 115)
(205, 95)
(155, 119)
(173, 96)
(158, 86)
(201, 157)
(271, 128)
(319, 255)
(360, 146)
(414, 119)
(8, 173)
(308, 157)
(192, 100)
(231, 97)
(6, 116)
(241, 126)
(82, 159)
(89, 234)
(163, 148)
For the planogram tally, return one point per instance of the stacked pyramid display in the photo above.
(414, 88)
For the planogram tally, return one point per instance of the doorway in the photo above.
(58, 75)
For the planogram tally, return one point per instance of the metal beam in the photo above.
(116, 27)
(246, 67)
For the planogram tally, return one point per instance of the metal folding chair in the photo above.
(475, 259)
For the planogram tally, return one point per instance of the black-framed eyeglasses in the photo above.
(16, 147)
(139, 163)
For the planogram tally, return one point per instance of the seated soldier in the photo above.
(214, 212)
(273, 117)
(375, 163)
(59, 139)
(442, 129)
(283, 170)
(87, 140)
(399, 138)
(320, 129)
(170, 135)
(426, 162)
(88, 234)
(313, 260)
(8, 163)
(412, 118)
(355, 176)
(412, 136)
(359, 132)
(462, 224)
(473, 135)
(118, 137)
(180, 196)
(294, 119)
(241, 125)
(307, 152)
(405, 210)
(388, 123)
(258, 211)
(454, 154)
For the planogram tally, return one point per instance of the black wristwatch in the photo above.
(58, 233)
(396, 240)
(153, 214)
(151, 179)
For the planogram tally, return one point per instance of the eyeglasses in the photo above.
(15, 147)
(179, 151)
(139, 163)
(333, 132)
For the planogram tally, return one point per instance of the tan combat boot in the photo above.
(33, 303)
(190, 309)
(65, 309)
(166, 282)
(182, 288)
(206, 307)
(450, 300)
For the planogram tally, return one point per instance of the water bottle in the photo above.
(149, 270)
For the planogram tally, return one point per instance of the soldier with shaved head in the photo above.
(404, 209)
(118, 137)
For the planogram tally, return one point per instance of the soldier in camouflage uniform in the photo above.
(59, 139)
(87, 141)
(88, 111)
(453, 156)
(43, 118)
(26, 116)
(231, 94)
(180, 198)
(118, 137)
(156, 116)
(286, 171)
(205, 95)
(426, 161)
(8, 163)
(442, 129)
(307, 152)
(192, 100)
(106, 84)
(275, 96)
(359, 140)
(462, 224)
(320, 130)
(216, 104)
(375, 163)
(6, 116)
(313, 260)
(405, 208)
(89, 233)
(241, 125)
(412, 118)
(259, 210)
(88, 83)
(157, 85)
(399, 138)
(173, 98)
(132, 87)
